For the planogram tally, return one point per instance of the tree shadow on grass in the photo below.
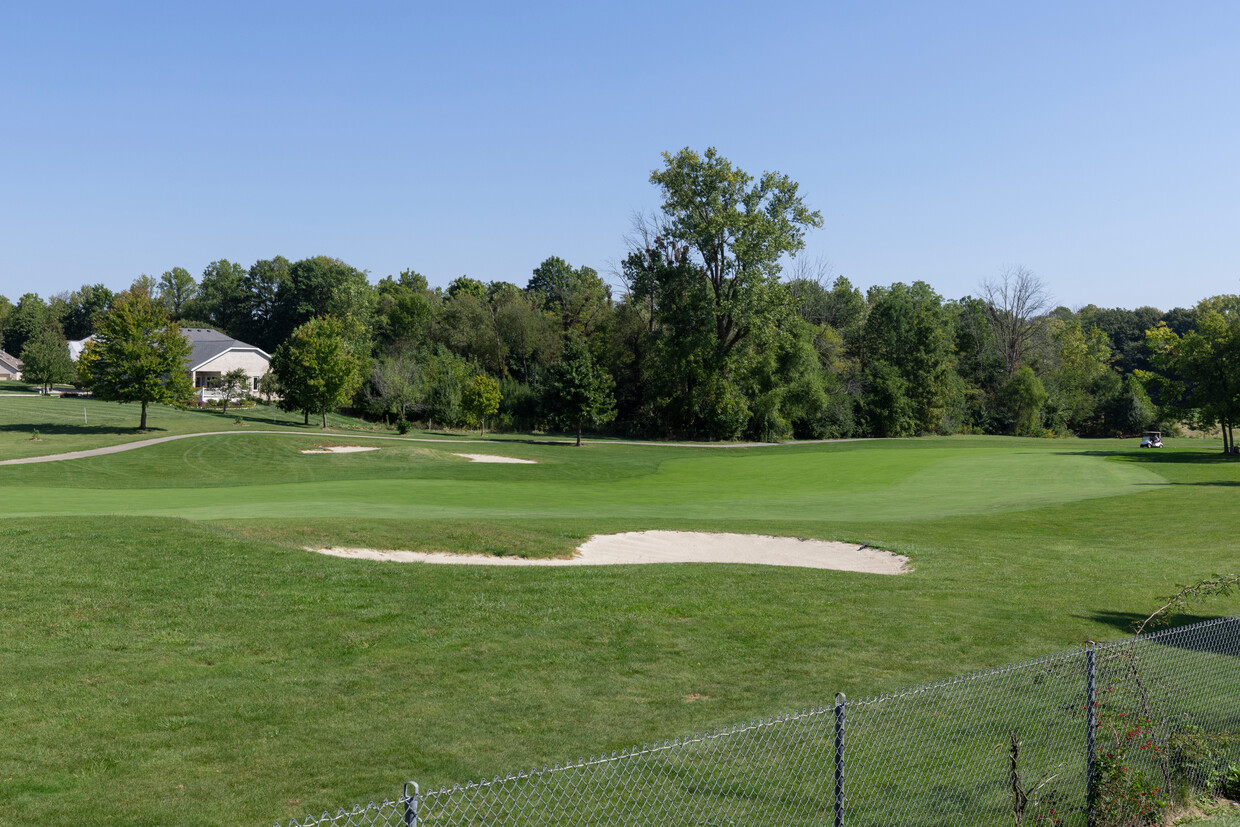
(1127, 622)
(1173, 632)
(1156, 456)
(75, 430)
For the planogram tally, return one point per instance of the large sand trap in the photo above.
(495, 458)
(675, 547)
(340, 449)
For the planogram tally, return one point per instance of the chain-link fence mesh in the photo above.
(1005, 746)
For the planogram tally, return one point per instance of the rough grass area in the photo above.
(170, 654)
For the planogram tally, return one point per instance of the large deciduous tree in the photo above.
(736, 231)
(84, 307)
(46, 359)
(706, 276)
(317, 366)
(261, 285)
(177, 289)
(1198, 374)
(577, 296)
(138, 355)
(323, 286)
(577, 391)
(221, 298)
(29, 316)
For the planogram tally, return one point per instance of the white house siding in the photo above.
(254, 365)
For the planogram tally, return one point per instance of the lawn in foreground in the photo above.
(157, 670)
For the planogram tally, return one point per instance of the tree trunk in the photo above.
(578, 434)
(142, 427)
(325, 419)
(306, 414)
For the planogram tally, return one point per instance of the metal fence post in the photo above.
(1091, 733)
(411, 804)
(839, 759)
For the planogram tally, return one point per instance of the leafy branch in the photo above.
(1219, 585)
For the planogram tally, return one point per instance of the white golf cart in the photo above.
(1151, 439)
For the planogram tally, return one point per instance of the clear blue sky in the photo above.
(1093, 142)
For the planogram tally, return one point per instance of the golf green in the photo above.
(252, 476)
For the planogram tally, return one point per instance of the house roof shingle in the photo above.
(207, 344)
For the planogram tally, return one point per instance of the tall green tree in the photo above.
(261, 287)
(6, 314)
(46, 359)
(577, 296)
(221, 298)
(1197, 375)
(324, 286)
(908, 329)
(577, 391)
(138, 355)
(403, 310)
(317, 366)
(736, 230)
(30, 316)
(177, 289)
(85, 306)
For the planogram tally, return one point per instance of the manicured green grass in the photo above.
(170, 654)
(78, 424)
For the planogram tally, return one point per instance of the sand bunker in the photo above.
(495, 458)
(639, 547)
(340, 449)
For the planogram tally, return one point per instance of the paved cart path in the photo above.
(143, 443)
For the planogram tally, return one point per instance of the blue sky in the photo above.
(1093, 143)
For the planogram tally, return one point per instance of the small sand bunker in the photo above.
(340, 449)
(638, 547)
(496, 458)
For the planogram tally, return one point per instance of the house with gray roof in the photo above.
(215, 354)
(212, 355)
(10, 366)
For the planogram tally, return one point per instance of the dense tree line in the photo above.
(709, 338)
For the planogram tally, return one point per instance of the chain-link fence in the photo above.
(1097, 736)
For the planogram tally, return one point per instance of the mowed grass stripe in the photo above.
(207, 480)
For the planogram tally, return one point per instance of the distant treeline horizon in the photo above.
(710, 339)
